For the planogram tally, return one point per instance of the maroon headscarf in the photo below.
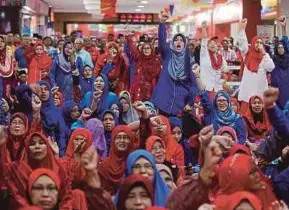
(112, 169)
(16, 144)
(128, 184)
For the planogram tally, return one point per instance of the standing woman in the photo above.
(280, 75)
(147, 70)
(176, 77)
(61, 71)
(257, 64)
(6, 68)
(39, 65)
(212, 63)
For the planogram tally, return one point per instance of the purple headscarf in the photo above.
(95, 126)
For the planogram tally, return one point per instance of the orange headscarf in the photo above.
(80, 131)
(230, 202)
(112, 169)
(257, 129)
(170, 142)
(253, 57)
(151, 141)
(238, 167)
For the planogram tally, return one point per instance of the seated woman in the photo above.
(37, 154)
(238, 200)
(70, 112)
(220, 112)
(112, 169)
(56, 197)
(136, 192)
(167, 175)
(142, 163)
(17, 132)
(97, 100)
(110, 121)
(239, 167)
(85, 81)
(177, 133)
(128, 113)
(257, 123)
(80, 140)
(158, 150)
(228, 132)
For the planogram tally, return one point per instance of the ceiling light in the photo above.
(140, 6)
(144, 2)
(138, 10)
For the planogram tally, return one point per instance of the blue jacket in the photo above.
(20, 58)
(63, 79)
(279, 121)
(209, 118)
(56, 128)
(131, 64)
(171, 96)
(280, 78)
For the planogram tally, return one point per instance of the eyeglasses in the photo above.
(49, 189)
(146, 166)
(122, 137)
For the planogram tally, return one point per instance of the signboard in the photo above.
(135, 18)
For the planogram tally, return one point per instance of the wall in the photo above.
(222, 31)
(283, 9)
(61, 18)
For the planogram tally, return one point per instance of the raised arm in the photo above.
(162, 33)
(204, 44)
(278, 119)
(205, 98)
(242, 38)
(132, 47)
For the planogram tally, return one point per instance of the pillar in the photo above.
(252, 11)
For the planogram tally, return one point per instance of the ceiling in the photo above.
(122, 6)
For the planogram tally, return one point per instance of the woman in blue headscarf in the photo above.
(61, 71)
(142, 163)
(177, 132)
(85, 80)
(176, 77)
(98, 99)
(109, 121)
(220, 113)
(70, 112)
(52, 120)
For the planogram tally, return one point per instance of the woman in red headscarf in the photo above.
(39, 64)
(257, 64)
(147, 70)
(113, 65)
(18, 129)
(80, 140)
(58, 99)
(240, 199)
(235, 105)
(37, 154)
(141, 190)
(257, 122)
(160, 126)
(112, 169)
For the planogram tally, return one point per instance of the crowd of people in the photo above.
(135, 123)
